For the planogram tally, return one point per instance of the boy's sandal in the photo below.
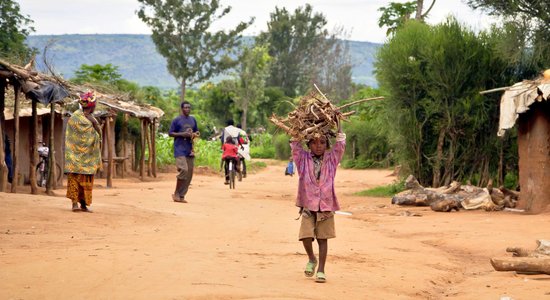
(310, 268)
(321, 277)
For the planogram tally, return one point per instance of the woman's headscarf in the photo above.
(87, 100)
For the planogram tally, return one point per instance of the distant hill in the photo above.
(137, 58)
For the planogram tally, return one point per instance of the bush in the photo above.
(165, 150)
(282, 147)
(261, 146)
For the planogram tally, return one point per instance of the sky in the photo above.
(358, 17)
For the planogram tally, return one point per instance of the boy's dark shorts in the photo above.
(311, 228)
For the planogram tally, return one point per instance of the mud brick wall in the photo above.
(534, 157)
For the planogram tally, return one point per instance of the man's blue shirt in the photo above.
(183, 146)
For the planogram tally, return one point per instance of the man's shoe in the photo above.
(75, 207)
(226, 182)
(178, 199)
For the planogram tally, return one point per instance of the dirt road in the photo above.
(242, 244)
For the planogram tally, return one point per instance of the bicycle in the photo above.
(231, 169)
(42, 167)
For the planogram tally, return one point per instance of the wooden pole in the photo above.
(495, 90)
(153, 153)
(124, 137)
(142, 157)
(15, 148)
(109, 142)
(3, 166)
(148, 145)
(34, 152)
(51, 184)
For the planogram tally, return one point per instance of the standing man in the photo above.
(183, 130)
(82, 152)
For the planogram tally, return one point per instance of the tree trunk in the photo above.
(500, 172)
(183, 87)
(243, 118)
(15, 148)
(3, 166)
(34, 153)
(419, 5)
(438, 159)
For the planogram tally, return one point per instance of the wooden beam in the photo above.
(52, 177)
(153, 153)
(142, 157)
(15, 148)
(124, 137)
(3, 166)
(109, 140)
(147, 145)
(33, 137)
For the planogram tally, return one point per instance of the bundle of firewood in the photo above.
(314, 117)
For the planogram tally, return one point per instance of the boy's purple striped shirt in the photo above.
(313, 195)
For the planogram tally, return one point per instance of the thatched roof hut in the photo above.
(51, 98)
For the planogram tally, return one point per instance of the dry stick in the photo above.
(495, 90)
(320, 92)
(359, 101)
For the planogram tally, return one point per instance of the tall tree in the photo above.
(305, 52)
(396, 14)
(105, 73)
(14, 29)
(292, 39)
(525, 33)
(330, 67)
(180, 32)
(253, 71)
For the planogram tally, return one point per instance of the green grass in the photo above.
(383, 190)
(208, 154)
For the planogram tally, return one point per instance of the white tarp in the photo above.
(517, 99)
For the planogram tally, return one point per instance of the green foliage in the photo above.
(180, 32)
(395, 15)
(164, 150)
(252, 71)
(511, 180)
(442, 129)
(282, 146)
(262, 146)
(218, 101)
(208, 153)
(90, 73)
(384, 190)
(524, 35)
(14, 29)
